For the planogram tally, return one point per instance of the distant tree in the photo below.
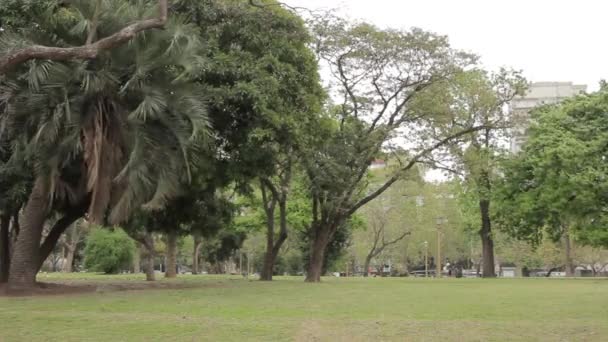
(138, 227)
(556, 187)
(108, 251)
(475, 97)
(74, 236)
(379, 233)
(376, 74)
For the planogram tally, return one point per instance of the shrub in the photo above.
(108, 251)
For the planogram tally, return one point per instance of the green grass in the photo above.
(355, 309)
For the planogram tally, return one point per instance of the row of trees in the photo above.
(164, 130)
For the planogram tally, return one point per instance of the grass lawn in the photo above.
(354, 309)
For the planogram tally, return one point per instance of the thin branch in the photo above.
(409, 165)
(438, 165)
(87, 51)
(346, 85)
(281, 4)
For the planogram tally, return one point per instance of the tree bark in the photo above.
(56, 231)
(137, 261)
(150, 253)
(15, 228)
(72, 243)
(69, 259)
(274, 246)
(87, 51)
(568, 254)
(5, 255)
(171, 271)
(269, 201)
(196, 254)
(487, 243)
(368, 260)
(317, 255)
(269, 257)
(25, 258)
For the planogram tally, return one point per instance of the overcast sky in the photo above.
(550, 40)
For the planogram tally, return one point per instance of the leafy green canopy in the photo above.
(559, 180)
(261, 82)
(124, 128)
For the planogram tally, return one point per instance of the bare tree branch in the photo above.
(409, 165)
(87, 51)
(281, 4)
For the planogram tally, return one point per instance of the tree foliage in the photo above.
(558, 182)
(108, 251)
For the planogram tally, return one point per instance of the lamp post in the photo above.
(426, 259)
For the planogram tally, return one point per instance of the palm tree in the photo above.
(110, 134)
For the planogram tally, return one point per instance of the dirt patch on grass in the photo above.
(83, 287)
(47, 289)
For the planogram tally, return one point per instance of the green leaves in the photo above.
(108, 251)
(559, 180)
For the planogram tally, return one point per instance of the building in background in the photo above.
(539, 93)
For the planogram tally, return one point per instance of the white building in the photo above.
(378, 164)
(539, 93)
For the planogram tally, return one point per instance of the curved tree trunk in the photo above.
(368, 260)
(149, 267)
(317, 255)
(5, 255)
(487, 243)
(57, 230)
(25, 258)
(171, 269)
(274, 247)
(198, 243)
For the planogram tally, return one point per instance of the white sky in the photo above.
(550, 40)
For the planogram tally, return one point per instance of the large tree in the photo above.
(110, 133)
(556, 187)
(376, 75)
(262, 87)
(476, 97)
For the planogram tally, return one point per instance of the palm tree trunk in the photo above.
(25, 257)
(4, 247)
(171, 271)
